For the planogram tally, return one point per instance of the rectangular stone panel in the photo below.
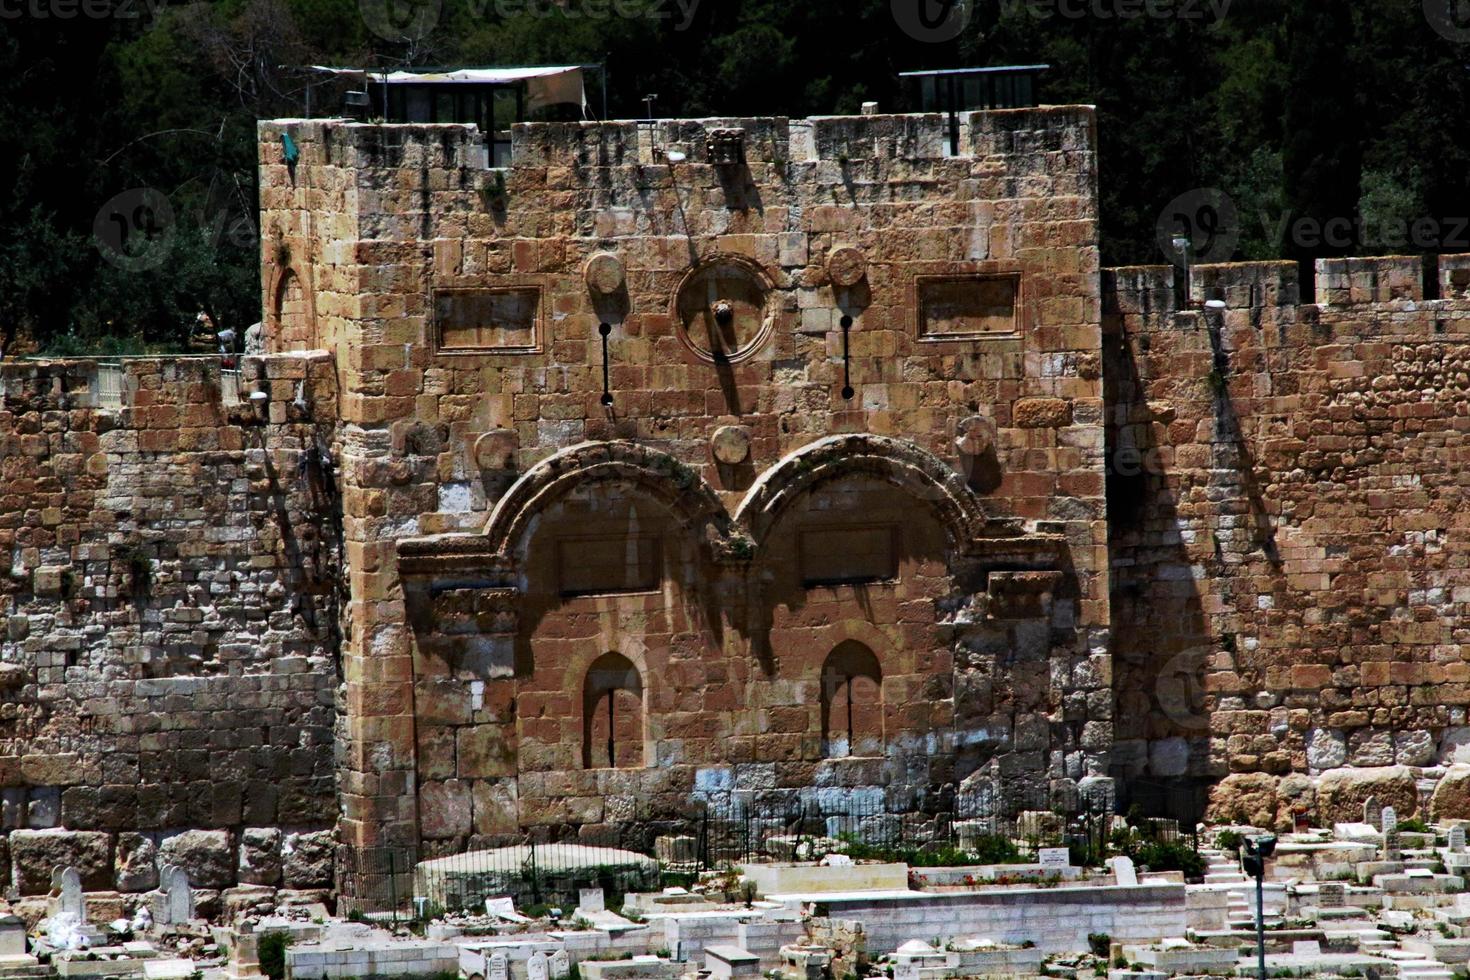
(609, 565)
(475, 320)
(836, 556)
(967, 307)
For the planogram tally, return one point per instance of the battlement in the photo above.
(1394, 283)
(176, 392)
(715, 141)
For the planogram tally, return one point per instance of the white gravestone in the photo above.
(174, 902)
(561, 965)
(72, 905)
(1123, 870)
(1054, 858)
(1390, 820)
(590, 900)
(1331, 895)
(12, 935)
(1457, 838)
(499, 967)
(537, 968)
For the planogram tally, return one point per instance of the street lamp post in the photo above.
(1254, 853)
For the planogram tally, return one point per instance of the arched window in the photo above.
(852, 702)
(293, 324)
(612, 714)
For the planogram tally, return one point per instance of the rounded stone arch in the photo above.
(900, 463)
(664, 478)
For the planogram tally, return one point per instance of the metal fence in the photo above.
(533, 875)
(648, 851)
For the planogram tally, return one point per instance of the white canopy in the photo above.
(545, 85)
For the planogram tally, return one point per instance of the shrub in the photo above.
(272, 954)
(1170, 856)
(1413, 826)
(1229, 840)
(1099, 943)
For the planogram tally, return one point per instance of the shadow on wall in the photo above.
(1161, 639)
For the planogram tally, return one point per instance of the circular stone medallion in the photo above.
(731, 444)
(723, 309)
(496, 450)
(847, 266)
(604, 273)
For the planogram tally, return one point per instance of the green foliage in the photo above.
(271, 952)
(1099, 944)
(1229, 840)
(1170, 856)
(1413, 825)
(989, 849)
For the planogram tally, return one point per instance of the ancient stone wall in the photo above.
(593, 402)
(1287, 503)
(167, 668)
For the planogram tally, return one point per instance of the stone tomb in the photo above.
(13, 943)
(728, 962)
(964, 957)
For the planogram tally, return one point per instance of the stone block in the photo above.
(35, 854)
(206, 856)
(137, 863)
(260, 856)
(307, 859)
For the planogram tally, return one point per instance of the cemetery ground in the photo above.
(1126, 900)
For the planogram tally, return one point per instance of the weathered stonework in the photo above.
(1287, 513)
(169, 610)
(475, 482)
(601, 487)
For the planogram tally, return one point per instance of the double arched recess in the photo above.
(679, 487)
(615, 706)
